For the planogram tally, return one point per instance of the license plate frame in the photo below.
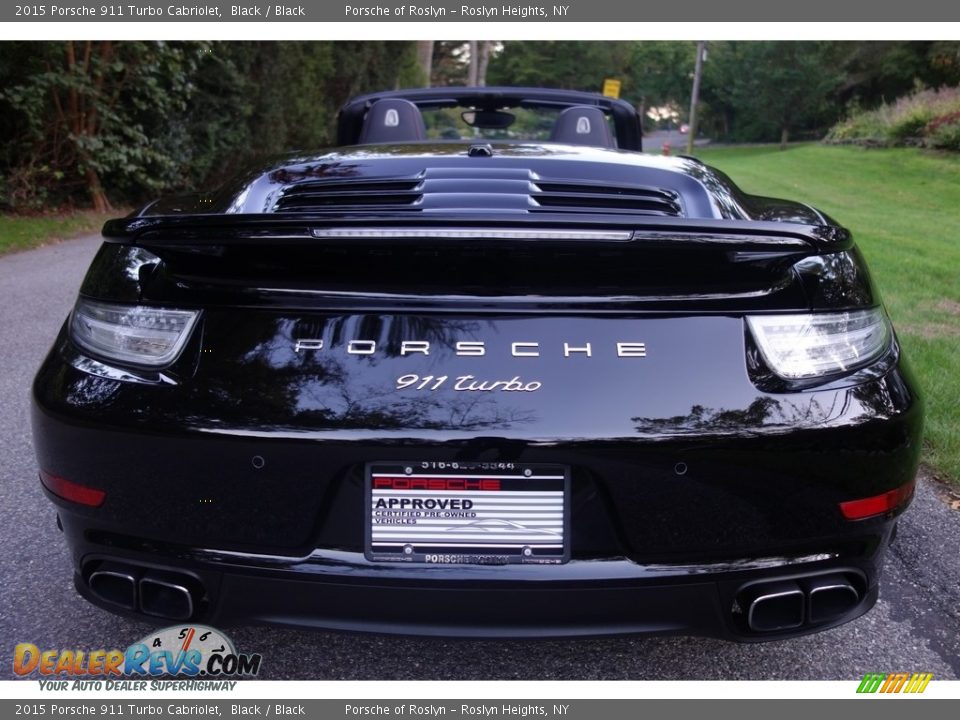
(505, 513)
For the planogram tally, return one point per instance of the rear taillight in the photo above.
(877, 504)
(74, 492)
(133, 334)
(800, 347)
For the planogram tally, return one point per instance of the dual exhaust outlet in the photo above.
(788, 604)
(160, 593)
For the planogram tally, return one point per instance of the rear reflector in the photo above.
(877, 504)
(71, 491)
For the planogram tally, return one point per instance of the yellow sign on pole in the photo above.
(611, 88)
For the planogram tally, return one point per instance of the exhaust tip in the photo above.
(115, 584)
(167, 595)
(774, 606)
(829, 597)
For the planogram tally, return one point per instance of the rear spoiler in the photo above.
(479, 228)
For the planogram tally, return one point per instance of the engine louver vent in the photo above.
(506, 189)
(565, 196)
(323, 196)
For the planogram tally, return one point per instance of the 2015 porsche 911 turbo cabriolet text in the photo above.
(483, 369)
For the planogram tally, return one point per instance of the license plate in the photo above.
(477, 513)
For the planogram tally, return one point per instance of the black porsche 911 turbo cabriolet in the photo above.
(482, 369)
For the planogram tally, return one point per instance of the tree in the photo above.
(661, 72)
(129, 120)
(484, 51)
(83, 111)
(770, 90)
(450, 63)
(425, 60)
(473, 57)
(566, 65)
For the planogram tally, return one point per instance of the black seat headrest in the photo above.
(582, 125)
(392, 120)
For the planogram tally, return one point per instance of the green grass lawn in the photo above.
(22, 232)
(903, 207)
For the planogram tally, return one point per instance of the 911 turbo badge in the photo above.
(555, 388)
(466, 383)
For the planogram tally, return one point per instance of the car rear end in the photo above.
(581, 424)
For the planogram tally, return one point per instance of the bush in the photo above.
(945, 136)
(907, 129)
(124, 121)
(925, 118)
(864, 127)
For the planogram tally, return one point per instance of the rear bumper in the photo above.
(342, 591)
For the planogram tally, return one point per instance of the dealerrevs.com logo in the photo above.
(179, 651)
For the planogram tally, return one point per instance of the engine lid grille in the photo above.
(320, 196)
(503, 189)
(574, 196)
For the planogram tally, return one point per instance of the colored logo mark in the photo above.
(894, 682)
